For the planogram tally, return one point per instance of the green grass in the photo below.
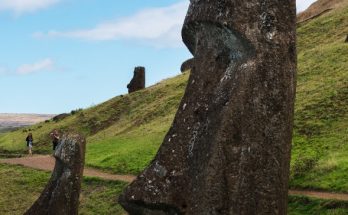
(124, 154)
(319, 154)
(20, 188)
(299, 205)
(125, 132)
(100, 197)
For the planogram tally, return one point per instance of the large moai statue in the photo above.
(228, 150)
(61, 195)
(138, 81)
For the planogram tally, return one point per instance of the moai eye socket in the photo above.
(216, 39)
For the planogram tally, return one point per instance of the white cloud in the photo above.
(304, 4)
(157, 26)
(160, 27)
(45, 64)
(23, 6)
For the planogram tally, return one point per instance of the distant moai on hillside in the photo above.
(228, 149)
(61, 195)
(346, 41)
(187, 65)
(138, 81)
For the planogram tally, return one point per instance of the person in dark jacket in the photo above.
(55, 139)
(30, 141)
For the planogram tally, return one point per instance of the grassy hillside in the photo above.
(320, 146)
(319, 7)
(125, 132)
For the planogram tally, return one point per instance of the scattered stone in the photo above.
(138, 81)
(239, 107)
(187, 65)
(61, 195)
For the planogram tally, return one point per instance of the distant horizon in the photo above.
(62, 55)
(39, 114)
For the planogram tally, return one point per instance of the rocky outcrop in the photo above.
(228, 150)
(138, 81)
(187, 65)
(60, 117)
(61, 195)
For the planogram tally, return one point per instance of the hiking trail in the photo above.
(46, 163)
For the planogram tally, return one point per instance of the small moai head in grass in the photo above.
(138, 81)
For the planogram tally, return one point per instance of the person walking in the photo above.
(55, 139)
(30, 141)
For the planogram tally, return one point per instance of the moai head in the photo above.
(61, 195)
(228, 150)
(138, 81)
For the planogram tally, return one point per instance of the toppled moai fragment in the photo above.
(61, 195)
(228, 150)
(138, 81)
(187, 65)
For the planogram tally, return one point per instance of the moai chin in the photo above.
(187, 65)
(61, 195)
(138, 81)
(228, 150)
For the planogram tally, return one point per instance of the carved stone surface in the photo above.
(138, 81)
(61, 195)
(228, 150)
(187, 65)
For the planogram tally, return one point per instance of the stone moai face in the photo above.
(138, 81)
(228, 150)
(61, 195)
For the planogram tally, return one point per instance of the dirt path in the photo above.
(47, 163)
(320, 195)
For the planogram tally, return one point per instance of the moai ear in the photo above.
(228, 150)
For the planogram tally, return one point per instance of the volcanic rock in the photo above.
(228, 150)
(61, 195)
(138, 81)
(187, 65)
(60, 117)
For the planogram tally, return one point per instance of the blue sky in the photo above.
(60, 55)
